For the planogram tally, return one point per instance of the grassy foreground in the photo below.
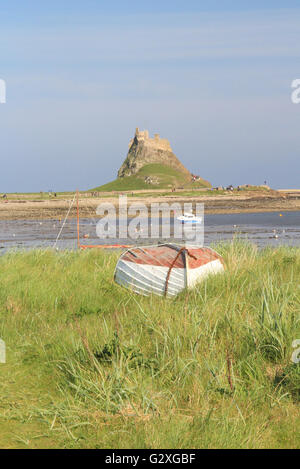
(90, 365)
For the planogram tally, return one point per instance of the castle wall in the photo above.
(156, 142)
(145, 150)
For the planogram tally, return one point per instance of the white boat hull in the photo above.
(150, 270)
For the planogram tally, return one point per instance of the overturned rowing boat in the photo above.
(166, 269)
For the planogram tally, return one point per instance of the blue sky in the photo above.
(213, 77)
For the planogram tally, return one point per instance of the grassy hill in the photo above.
(164, 176)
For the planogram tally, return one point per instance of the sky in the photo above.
(214, 77)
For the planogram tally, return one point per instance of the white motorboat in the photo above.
(189, 218)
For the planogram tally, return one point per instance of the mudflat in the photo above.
(30, 206)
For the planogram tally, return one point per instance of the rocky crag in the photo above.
(144, 150)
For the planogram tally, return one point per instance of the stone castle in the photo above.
(144, 150)
(156, 142)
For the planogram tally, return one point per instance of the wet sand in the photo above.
(262, 229)
(23, 208)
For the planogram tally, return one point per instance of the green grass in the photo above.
(188, 192)
(166, 177)
(91, 365)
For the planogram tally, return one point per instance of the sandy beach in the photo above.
(24, 207)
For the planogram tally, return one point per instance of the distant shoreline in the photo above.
(21, 207)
